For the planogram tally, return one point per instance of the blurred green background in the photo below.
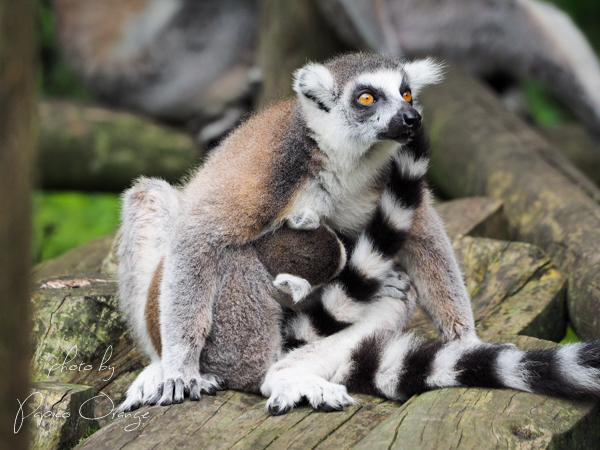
(64, 220)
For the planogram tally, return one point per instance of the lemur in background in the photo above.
(347, 154)
(193, 61)
(181, 61)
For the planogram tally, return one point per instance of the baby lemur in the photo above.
(200, 293)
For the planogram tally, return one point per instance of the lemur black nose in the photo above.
(412, 119)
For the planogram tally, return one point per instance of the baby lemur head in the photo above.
(355, 100)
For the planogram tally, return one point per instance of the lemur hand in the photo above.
(306, 219)
(299, 288)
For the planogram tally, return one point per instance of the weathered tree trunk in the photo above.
(480, 148)
(577, 145)
(17, 76)
(91, 148)
(291, 34)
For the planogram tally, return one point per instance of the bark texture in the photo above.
(53, 402)
(474, 216)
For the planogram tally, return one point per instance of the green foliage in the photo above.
(65, 220)
(570, 337)
(545, 109)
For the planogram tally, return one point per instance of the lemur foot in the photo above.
(297, 287)
(144, 388)
(460, 332)
(175, 389)
(320, 394)
(306, 220)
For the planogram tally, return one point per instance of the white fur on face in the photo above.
(386, 81)
(423, 72)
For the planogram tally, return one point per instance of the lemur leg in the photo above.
(245, 338)
(313, 371)
(430, 262)
(149, 210)
(188, 290)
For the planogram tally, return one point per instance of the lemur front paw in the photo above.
(320, 394)
(143, 389)
(176, 388)
(298, 288)
(306, 219)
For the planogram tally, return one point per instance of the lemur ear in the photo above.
(423, 72)
(314, 82)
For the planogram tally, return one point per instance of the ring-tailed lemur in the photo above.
(338, 155)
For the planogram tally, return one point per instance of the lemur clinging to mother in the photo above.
(347, 153)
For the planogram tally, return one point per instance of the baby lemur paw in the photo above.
(176, 389)
(297, 287)
(397, 285)
(306, 219)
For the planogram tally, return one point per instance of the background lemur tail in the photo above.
(148, 213)
(399, 366)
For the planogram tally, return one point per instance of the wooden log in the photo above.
(239, 421)
(93, 257)
(80, 336)
(63, 415)
(489, 419)
(480, 148)
(96, 149)
(17, 87)
(514, 289)
(577, 145)
(474, 216)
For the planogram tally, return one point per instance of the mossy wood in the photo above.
(474, 216)
(480, 148)
(514, 289)
(79, 335)
(91, 148)
(51, 403)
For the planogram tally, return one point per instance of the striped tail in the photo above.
(372, 254)
(400, 366)
(371, 262)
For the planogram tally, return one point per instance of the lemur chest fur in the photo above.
(345, 197)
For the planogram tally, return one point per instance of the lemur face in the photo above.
(367, 97)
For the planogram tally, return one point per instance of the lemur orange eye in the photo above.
(407, 96)
(366, 99)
